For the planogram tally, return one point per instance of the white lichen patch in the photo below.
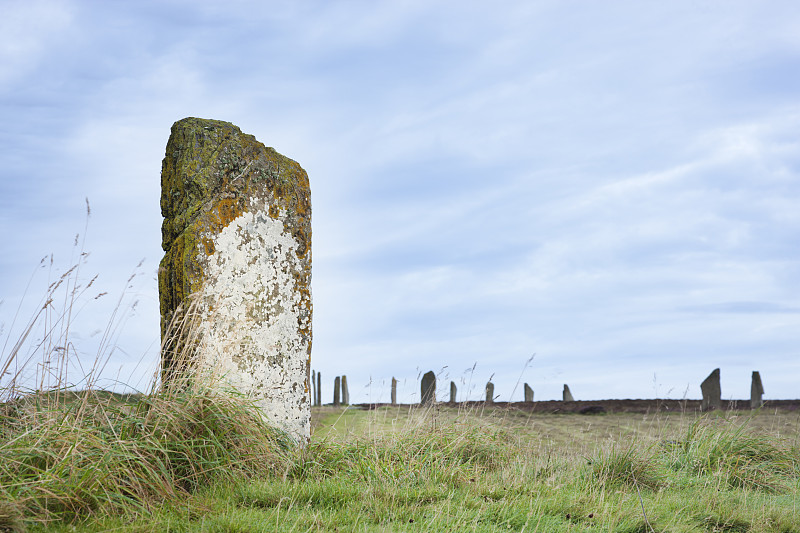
(253, 318)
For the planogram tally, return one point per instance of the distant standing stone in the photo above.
(756, 391)
(490, 392)
(528, 393)
(337, 391)
(345, 391)
(237, 241)
(567, 394)
(394, 391)
(453, 392)
(712, 392)
(428, 389)
(319, 388)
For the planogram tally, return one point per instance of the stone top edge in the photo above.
(205, 158)
(192, 123)
(204, 122)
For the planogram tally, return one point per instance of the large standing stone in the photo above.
(337, 391)
(453, 392)
(428, 388)
(237, 237)
(490, 392)
(756, 391)
(566, 395)
(394, 391)
(345, 391)
(712, 393)
(528, 393)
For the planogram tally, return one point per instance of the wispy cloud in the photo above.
(742, 307)
(612, 187)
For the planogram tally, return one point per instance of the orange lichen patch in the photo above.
(208, 245)
(274, 211)
(179, 274)
(225, 211)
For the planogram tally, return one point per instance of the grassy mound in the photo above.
(66, 456)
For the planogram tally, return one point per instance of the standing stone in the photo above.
(567, 395)
(319, 388)
(394, 391)
(712, 393)
(313, 388)
(428, 388)
(453, 391)
(490, 392)
(237, 242)
(528, 393)
(756, 391)
(345, 391)
(337, 390)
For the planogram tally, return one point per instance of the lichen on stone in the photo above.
(237, 236)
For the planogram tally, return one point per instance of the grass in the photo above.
(196, 457)
(63, 459)
(204, 461)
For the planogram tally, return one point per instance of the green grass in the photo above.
(64, 457)
(205, 462)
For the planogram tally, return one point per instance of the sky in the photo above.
(602, 194)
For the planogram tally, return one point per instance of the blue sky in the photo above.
(611, 186)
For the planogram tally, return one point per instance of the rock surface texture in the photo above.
(756, 391)
(318, 399)
(337, 391)
(712, 392)
(566, 394)
(237, 239)
(528, 393)
(428, 388)
(490, 392)
(313, 388)
(345, 391)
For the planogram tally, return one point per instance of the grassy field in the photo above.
(566, 433)
(189, 457)
(202, 463)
